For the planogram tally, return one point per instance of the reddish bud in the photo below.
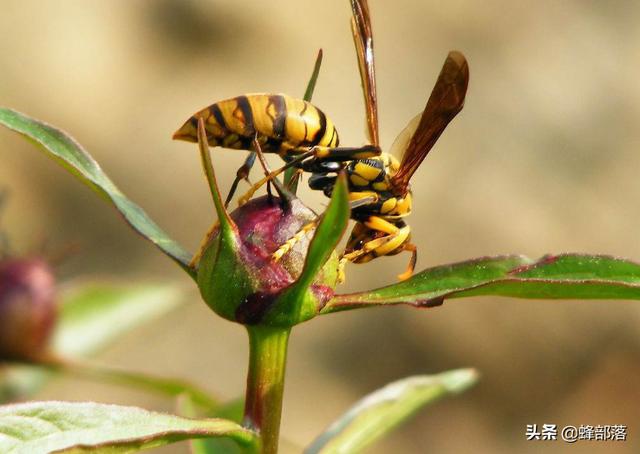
(242, 282)
(27, 308)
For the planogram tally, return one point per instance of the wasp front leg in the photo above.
(291, 242)
(342, 154)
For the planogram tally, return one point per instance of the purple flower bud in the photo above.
(27, 308)
(242, 281)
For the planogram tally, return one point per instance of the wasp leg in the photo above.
(203, 245)
(345, 153)
(409, 247)
(291, 242)
(308, 158)
(285, 196)
(288, 245)
(292, 184)
(382, 225)
(393, 242)
(241, 174)
(271, 176)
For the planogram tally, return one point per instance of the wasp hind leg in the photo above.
(393, 242)
(241, 174)
(270, 176)
(409, 247)
(285, 196)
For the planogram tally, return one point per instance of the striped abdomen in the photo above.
(280, 122)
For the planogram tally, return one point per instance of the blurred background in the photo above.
(543, 159)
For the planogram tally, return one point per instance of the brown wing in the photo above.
(363, 39)
(446, 100)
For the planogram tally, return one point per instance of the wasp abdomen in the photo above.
(280, 123)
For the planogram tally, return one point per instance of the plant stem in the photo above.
(265, 383)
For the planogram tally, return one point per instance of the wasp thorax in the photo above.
(27, 308)
(243, 276)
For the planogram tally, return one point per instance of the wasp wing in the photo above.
(363, 40)
(446, 100)
(401, 142)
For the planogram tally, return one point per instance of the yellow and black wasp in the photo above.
(379, 187)
(273, 123)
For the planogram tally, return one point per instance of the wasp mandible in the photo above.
(379, 187)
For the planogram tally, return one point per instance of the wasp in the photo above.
(379, 186)
(293, 128)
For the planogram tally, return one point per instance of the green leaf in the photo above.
(382, 411)
(70, 154)
(42, 427)
(232, 411)
(565, 276)
(94, 315)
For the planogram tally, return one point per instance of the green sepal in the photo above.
(223, 278)
(311, 85)
(290, 180)
(301, 301)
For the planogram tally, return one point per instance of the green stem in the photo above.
(265, 383)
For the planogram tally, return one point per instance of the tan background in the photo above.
(543, 159)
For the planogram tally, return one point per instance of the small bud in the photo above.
(27, 308)
(240, 280)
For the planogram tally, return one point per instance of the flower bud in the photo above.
(27, 308)
(240, 280)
